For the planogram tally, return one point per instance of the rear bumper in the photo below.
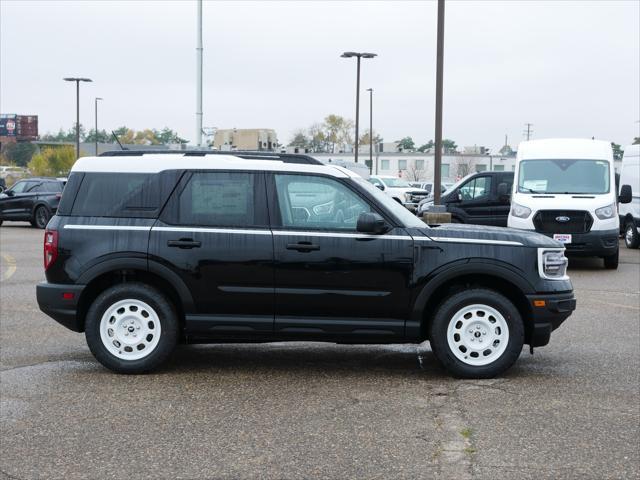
(545, 319)
(52, 301)
(596, 243)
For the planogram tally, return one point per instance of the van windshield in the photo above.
(564, 176)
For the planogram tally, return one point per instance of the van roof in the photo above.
(154, 163)
(632, 151)
(570, 148)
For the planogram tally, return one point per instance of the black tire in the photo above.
(631, 235)
(444, 314)
(162, 307)
(41, 216)
(611, 262)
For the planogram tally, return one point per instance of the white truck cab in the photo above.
(400, 190)
(565, 189)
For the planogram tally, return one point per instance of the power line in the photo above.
(527, 133)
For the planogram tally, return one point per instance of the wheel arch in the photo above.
(470, 275)
(116, 271)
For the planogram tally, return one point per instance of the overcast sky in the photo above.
(572, 69)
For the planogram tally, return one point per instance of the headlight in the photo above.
(407, 197)
(552, 264)
(606, 212)
(520, 211)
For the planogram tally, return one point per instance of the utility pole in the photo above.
(370, 90)
(528, 131)
(199, 78)
(437, 174)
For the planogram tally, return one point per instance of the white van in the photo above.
(630, 212)
(565, 189)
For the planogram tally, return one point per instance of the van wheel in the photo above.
(131, 328)
(611, 262)
(41, 217)
(631, 235)
(476, 333)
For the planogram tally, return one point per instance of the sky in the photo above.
(572, 69)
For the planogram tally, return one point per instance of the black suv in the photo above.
(480, 198)
(147, 252)
(33, 200)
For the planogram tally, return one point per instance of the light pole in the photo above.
(358, 55)
(77, 80)
(96, 126)
(437, 180)
(370, 90)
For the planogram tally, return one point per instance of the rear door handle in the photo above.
(303, 246)
(184, 243)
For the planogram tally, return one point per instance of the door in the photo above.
(18, 205)
(331, 281)
(474, 205)
(502, 201)
(214, 235)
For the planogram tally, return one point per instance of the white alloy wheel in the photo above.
(130, 329)
(478, 335)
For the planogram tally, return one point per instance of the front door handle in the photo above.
(184, 243)
(303, 246)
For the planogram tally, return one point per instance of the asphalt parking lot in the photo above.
(311, 410)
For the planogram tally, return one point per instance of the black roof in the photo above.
(246, 154)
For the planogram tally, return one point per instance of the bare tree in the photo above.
(413, 173)
(465, 165)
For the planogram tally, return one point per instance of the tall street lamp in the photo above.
(96, 126)
(358, 55)
(77, 80)
(370, 90)
(437, 160)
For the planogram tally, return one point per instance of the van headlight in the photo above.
(552, 264)
(520, 211)
(606, 212)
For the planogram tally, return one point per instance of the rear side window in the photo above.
(117, 195)
(69, 194)
(220, 199)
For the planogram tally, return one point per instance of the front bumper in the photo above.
(60, 302)
(596, 243)
(548, 311)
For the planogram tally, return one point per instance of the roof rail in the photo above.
(246, 154)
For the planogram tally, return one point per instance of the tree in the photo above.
(406, 143)
(101, 136)
(364, 138)
(299, 139)
(19, 153)
(427, 146)
(449, 146)
(167, 136)
(413, 172)
(53, 161)
(333, 127)
(506, 150)
(617, 151)
(636, 141)
(465, 165)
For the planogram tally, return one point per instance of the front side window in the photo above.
(318, 203)
(218, 199)
(564, 176)
(19, 187)
(476, 189)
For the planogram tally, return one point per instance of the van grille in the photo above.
(546, 221)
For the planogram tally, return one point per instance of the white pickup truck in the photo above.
(399, 190)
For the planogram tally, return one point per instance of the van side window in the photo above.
(318, 203)
(220, 199)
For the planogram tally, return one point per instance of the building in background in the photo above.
(246, 139)
(17, 128)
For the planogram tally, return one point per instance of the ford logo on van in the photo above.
(562, 219)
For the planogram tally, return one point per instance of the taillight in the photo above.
(50, 247)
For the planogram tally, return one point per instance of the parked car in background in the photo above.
(428, 186)
(11, 174)
(33, 199)
(565, 189)
(629, 213)
(480, 199)
(400, 190)
(148, 252)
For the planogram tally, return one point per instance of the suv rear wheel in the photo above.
(131, 328)
(41, 217)
(477, 333)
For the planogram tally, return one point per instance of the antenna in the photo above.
(116, 137)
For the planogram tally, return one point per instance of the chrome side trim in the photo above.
(476, 240)
(107, 227)
(340, 235)
(212, 230)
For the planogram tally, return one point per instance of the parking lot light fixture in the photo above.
(358, 56)
(77, 80)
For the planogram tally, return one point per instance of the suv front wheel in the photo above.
(131, 328)
(476, 333)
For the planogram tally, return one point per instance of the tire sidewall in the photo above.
(35, 216)
(635, 238)
(157, 301)
(444, 314)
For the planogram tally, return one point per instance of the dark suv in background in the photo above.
(33, 200)
(482, 198)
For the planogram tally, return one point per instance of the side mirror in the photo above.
(11, 193)
(503, 189)
(369, 222)
(458, 196)
(379, 185)
(625, 194)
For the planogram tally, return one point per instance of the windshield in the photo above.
(564, 176)
(407, 218)
(395, 182)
